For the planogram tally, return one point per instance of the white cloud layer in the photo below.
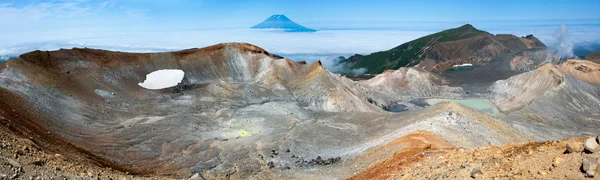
(321, 42)
(325, 42)
(4, 58)
(324, 45)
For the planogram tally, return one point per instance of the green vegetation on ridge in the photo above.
(410, 53)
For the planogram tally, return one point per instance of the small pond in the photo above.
(396, 108)
(460, 68)
(482, 105)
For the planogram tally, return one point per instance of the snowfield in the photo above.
(162, 79)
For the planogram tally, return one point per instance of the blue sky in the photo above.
(210, 14)
(347, 26)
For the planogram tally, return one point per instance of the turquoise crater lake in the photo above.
(482, 105)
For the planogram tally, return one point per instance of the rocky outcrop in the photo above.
(583, 70)
(532, 42)
(518, 91)
(532, 59)
(409, 81)
(559, 99)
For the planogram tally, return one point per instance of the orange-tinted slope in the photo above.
(587, 71)
(414, 147)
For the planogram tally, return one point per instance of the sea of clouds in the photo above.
(324, 45)
(321, 42)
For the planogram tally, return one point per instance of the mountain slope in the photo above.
(593, 56)
(280, 21)
(439, 51)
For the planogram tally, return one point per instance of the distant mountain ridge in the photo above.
(280, 21)
(440, 51)
(5, 58)
(594, 57)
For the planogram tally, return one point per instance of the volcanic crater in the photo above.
(241, 112)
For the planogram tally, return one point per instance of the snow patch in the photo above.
(161, 79)
(463, 65)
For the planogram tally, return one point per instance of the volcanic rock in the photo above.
(591, 145)
(574, 147)
(590, 166)
(551, 87)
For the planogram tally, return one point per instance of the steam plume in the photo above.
(563, 43)
(337, 65)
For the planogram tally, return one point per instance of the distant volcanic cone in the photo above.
(280, 21)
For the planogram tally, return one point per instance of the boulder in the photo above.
(589, 166)
(574, 147)
(591, 145)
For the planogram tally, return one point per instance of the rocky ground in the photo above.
(20, 158)
(239, 111)
(426, 157)
(533, 160)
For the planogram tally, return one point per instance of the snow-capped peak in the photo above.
(280, 21)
